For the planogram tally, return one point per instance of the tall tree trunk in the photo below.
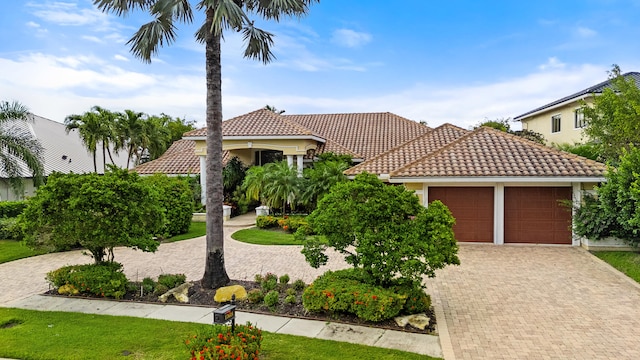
(95, 162)
(215, 274)
(104, 159)
(110, 157)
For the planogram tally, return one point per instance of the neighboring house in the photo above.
(63, 152)
(561, 121)
(500, 188)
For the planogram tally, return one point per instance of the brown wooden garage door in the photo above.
(534, 215)
(473, 209)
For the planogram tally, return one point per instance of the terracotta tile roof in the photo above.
(179, 159)
(257, 123)
(409, 151)
(366, 134)
(489, 152)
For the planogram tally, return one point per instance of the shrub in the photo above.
(175, 196)
(299, 285)
(291, 291)
(172, 280)
(271, 276)
(148, 285)
(160, 289)
(9, 229)
(266, 222)
(417, 301)
(258, 278)
(345, 291)
(255, 296)
(11, 209)
(284, 279)
(269, 284)
(271, 299)
(103, 279)
(290, 299)
(218, 342)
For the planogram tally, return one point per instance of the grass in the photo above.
(264, 237)
(196, 229)
(69, 336)
(626, 261)
(13, 250)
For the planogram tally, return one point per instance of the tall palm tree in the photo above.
(107, 133)
(281, 185)
(18, 146)
(130, 132)
(88, 126)
(221, 15)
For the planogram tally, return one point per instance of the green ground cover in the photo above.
(196, 229)
(13, 250)
(627, 262)
(265, 237)
(27, 334)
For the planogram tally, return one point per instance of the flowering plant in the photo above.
(218, 343)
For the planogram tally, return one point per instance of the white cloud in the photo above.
(350, 38)
(120, 57)
(92, 39)
(585, 32)
(32, 24)
(68, 14)
(552, 63)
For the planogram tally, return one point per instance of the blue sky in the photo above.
(437, 61)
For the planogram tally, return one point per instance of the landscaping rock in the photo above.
(224, 294)
(418, 321)
(180, 293)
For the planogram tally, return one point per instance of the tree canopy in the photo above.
(383, 230)
(613, 119)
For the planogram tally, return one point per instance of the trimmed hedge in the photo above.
(103, 279)
(176, 198)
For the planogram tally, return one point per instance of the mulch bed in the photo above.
(199, 296)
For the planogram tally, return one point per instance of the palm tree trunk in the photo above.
(110, 157)
(104, 159)
(215, 274)
(95, 162)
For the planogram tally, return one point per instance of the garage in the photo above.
(535, 215)
(473, 209)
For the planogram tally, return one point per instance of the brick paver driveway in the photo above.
(537, 302)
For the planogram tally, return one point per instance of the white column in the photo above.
(203, 179)
(425, 195)
(576, 202)
(290, 160)
(498, 214)
(300, 159)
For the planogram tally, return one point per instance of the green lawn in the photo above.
(13, 250)
(264, 237)
(626, 261)
(196, 229)
(60, 335)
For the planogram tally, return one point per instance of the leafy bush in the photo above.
(271, 299)
(284, 279)
(103, 279)
(266, 222)
(11, 209)
(9, 229)
(299, 285)
(255, 296)
(148, 285)
(269, 284)
(172, 280)
(290, 299)
(417, 301)
(175, 196)
(345, 291)
(218, 342)
(383, 230)
(290, 291)
(258, 278)
(160, 289)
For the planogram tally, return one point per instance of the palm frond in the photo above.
(13, 111)
(227, 15)
(258, 44)
(146, 41)
(275, 9)
(122, 7)
(176, 9)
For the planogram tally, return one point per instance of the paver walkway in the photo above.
(503, 302)
(537, 302)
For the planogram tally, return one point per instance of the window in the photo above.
(555, 123)
(578, 120)
(263, 157)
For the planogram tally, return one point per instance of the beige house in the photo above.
(561, 121)
(500, 188)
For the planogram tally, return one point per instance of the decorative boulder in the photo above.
(180, 293)
(223, 294)
(418, 321)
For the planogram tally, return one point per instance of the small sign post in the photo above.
(226, 313)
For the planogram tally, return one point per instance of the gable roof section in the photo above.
(595, 89)
(409, 151)
(179, 159)
(487, 152)
(365, 134)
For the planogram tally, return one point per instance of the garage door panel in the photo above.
(473, 209)
(535, 215)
